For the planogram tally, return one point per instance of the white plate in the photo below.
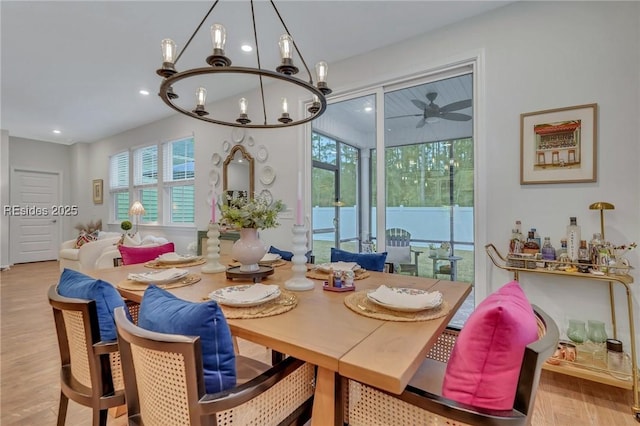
(267, 176)
(214, 177)
(404, 308)
(215, 159)
(266, 194)
(151, 277)
(262, 154)
(176, 260)
(226, 145)
(250, 141)
(237, 134)
(338, 266)
(219, 296)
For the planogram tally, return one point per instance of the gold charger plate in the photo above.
(136, 285)
(156, 264)
(283, 303)
(359, 303)
(316, 274)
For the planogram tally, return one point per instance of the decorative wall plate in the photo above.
(267, 176)
(237, 134)
(250, 141)
(266, 194)
(214, 177)
(215, 159)
(262, 154)
(226, 145)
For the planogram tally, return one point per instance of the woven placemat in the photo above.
(316, 274)
(159, 265)
(283, 303)
(275, 264)
(136, 285)
(359, 302)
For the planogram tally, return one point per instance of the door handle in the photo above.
(335, 222)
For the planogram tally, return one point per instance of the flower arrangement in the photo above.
(244, 212)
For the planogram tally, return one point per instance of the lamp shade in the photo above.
(601, 205)
(136, 209)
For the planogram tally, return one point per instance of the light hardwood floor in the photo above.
(30, 366)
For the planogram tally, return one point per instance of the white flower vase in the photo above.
(248, 250)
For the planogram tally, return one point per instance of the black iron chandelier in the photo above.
(219, 64)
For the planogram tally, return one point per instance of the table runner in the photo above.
(360, 303)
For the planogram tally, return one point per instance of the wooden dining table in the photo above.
(323, 331)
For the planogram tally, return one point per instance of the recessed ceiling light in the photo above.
(246, 48)
(57, 132)
(144, 92)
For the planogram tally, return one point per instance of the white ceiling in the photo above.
(78, 66)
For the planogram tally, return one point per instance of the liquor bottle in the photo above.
(561, 253)
(594, 248)
(516, 243)
(531, 246)
(548, 252)
(583, 257)
(536, 237)
(573, 239)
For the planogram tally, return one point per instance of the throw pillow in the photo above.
(485, 362)
(77, 285)
(369, 261)
(132, 240)
(287, 255)
(83, 238)
(162, 312)
(133, 255)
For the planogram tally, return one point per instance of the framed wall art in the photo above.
(559, 145)
(97, 191)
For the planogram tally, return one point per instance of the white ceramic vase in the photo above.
(248, 250)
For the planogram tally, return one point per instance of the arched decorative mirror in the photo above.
(238, 172)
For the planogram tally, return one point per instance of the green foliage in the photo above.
(125, 225)
(241, 212)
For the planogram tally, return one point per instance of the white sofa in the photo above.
(100, 254)
(84, 258)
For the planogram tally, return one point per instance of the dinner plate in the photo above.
(250, 141)
(225, 146)
(262, 154)
(267, 176)
(151, 277)
(219, 296)
(266, 194)
(338, 266)
(402, 290)
(216, 159)
(237, 134)
(214, 177)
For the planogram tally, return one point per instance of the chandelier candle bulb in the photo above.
(218, 37)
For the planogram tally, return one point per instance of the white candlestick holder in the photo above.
(213, 264)
(299, 282)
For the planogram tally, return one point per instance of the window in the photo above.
(119, 185)
(162, 180)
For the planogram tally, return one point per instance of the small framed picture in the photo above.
(97, 191)
(559, 145)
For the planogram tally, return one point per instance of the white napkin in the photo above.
(250, 294)
(171, 256)
(166, 275)
(391, 297)
(270, 257)
(339, 266)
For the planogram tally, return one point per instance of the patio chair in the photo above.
(400, 252)
(421, 402)
(164, 384)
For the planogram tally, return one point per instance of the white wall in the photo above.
(4, 197)
(535, 56)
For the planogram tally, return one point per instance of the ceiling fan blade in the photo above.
(456, 106)
(402, 116)
(455, 116)
(421, 123)
(419, 103)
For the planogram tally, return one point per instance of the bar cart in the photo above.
(588, 372)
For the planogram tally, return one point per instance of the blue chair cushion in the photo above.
(287, 255)
(369, 261)
(77, 285)
(162, 312)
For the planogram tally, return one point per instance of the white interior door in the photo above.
(34, 216)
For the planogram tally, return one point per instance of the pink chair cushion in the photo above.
(485, 362)
(133, 255)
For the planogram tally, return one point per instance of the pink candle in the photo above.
(213, 208)
(299, 214)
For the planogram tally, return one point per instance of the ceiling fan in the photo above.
(433, 110)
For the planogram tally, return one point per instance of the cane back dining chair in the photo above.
(90, 373)
(164, 384)
(420, 403)
(399, 250)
